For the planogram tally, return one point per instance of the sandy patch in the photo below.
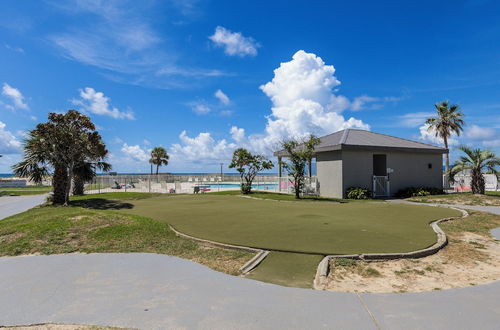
(469, 259)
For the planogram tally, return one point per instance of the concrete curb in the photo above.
(247, 267)
(254, 262)
(324, 265)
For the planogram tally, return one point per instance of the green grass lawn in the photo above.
(316, 228)
(490, 198)
(30, 190)
(53, 230)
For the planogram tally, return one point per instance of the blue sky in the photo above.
(204, 77)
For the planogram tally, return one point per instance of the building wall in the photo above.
(329, 173)
(410, 169)
(357, 169)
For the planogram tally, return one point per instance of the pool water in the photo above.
(262, 186)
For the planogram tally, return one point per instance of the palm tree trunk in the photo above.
(59, 182)
(69, 181)
(477, 182)
(447, 156)
(310, 168)
(157, 167)
(78, 186)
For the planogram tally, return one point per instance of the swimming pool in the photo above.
(260, 186)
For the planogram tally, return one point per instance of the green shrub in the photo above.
(358, 193)
(246, 188)
(418, 192)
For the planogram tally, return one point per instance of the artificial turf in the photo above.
(315, 228)
(287, 269)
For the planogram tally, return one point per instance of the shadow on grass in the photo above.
(101, 204)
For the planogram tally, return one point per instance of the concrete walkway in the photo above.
(490, 209)
(10, 205)
(150, 291)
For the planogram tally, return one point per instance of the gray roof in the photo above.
(356, 139)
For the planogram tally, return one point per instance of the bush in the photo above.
(418, 192)
(246, 188)
(358, 193)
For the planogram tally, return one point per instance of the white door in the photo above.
(380, 186)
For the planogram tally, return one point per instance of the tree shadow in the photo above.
(101, 204)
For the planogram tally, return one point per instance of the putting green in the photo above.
(304, 227)
(288, 269)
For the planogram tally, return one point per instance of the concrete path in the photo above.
(150, 291)
(490, 209)
(10, 205)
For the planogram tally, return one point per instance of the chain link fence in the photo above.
(188, 184)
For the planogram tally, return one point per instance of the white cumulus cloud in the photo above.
(15, 96)
(96, 103)
(234, 43)
(223, 98)
(202, 149)
(9, 144)
(304, 102)
(237, 134)
(429, 135)
(135, 152)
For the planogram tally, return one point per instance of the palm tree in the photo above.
(476, 161)
(61, 144)
(85, 172)
(159, 157)
(448, 120)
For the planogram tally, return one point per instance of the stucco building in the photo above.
(381, 163)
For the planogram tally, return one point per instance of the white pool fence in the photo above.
(188, 184)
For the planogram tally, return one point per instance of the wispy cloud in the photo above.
(119, 39)
(200, 108)
(234, 43)
(475, 132)
(222, 97)
(365, 102)
(14, 49)
(414, 119)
